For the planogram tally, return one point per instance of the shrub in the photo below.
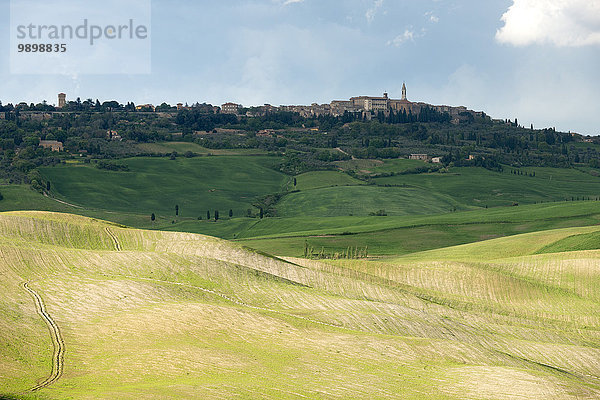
(378, 213)
(111, 166)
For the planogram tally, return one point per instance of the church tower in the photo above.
(403, 91)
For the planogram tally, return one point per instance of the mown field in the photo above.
(149, 314)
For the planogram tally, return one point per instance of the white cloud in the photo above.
(287, 2)
(432, 17)
(559, 22)
(407, 36)
(371, 12)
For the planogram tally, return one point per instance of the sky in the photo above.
(535, 60)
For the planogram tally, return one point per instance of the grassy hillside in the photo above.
(159, 314)
(329, 209)
(363, 200)
(403, 235)
(158, 184)
(322, 179)
(515, 246)
(183, 147)
(391, 235)
(481, 187)
(367, 167)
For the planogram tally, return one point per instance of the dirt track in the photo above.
(114, 238)
(57, 341)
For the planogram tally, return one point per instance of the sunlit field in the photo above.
(158, 314)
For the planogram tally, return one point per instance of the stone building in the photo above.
(52, 145)
(230, 108)
(62, 100)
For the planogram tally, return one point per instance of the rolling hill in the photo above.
(151, 314)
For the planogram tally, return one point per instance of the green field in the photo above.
(329, 209)
(368, 167)
(184, 147)
(480, 187)
(148, 314)
(362, 200)
(322, 179)
(156, 185)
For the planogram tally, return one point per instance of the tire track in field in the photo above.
(62, 202)
(235, 301)
(114, 239)
(57, 341)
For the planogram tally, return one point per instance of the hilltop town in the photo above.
(367, 107)
(370, 106)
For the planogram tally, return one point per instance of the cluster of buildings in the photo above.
(369, 105)
(366, 105)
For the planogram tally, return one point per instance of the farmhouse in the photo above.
(51, 144)
(230, 108)
(145, 107)
(113, 135)
(422, 157)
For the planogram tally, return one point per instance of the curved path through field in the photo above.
(62, 202)
(57, 341)
(114, 238)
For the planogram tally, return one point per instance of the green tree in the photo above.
(261, 214)
(176, 210)
(216, 215)
(208, 215)
(153, 217)
(230, 213)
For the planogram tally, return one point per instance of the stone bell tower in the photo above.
(403, 91)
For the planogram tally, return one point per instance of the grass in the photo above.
(322, 179)
(403, 235)
(480, 187)
(157, 185)
(183, 147)
(368, 167)
(424, 211)
(584, 241)
(181, 315)
(363, 200)
(392, 235)
(397, 241)
(515, 246)
(398, 165)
